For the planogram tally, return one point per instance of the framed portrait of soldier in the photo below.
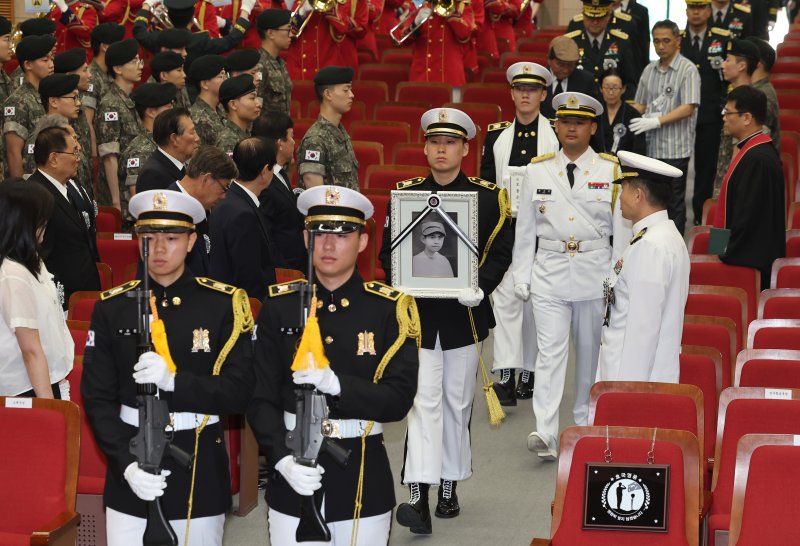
(434, 242)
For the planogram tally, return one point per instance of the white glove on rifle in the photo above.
(303, 479)
(642, 125)
(522, 291)
(470, 297)
(151, 368)
(324, 380)
(144, 485)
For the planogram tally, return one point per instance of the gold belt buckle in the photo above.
(572, 246)
(330, 429)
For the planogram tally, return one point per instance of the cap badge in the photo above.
(331, 196)
(526, 69)
(573, 102)
(160, 201)
(442, 115)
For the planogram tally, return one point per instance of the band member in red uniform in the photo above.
(485, 39)
(317, 45)
(359, 20)
(251, 39)
(122, 12)
(503, 13)
(375, 13)
(205, 13)
(74, 23)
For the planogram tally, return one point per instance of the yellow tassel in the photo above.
(496, 412)
(158, 333)
(310, 343)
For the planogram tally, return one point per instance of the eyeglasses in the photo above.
(139, 61)
(725, 113)
(75, 98)
(224, 187)
(76, 153)
(611, 89)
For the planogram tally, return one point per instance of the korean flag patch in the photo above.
(9, 111)
(133, 162)
(30, 148)
(111, 116)
(312, 155)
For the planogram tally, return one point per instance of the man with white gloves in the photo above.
(438, 447)
(200, 381)
(366, 365)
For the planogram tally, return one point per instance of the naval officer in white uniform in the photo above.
(567, 207)
(647, 287)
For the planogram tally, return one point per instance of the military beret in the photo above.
(108, 33)
(273, 18)
(765, 51)
(165, 61)
(122, 52)
(174, 38)
(70, 60)
(58, 85)
(743, 48)
(35, 47)
(38, 26)
(153, 95)
(179, 4)
(236, 87)
(206, 67)
(241, 60)
(5, 26)
(333, 75)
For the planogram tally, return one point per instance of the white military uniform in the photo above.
(573, 227)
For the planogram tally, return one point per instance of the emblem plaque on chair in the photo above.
(626, 497)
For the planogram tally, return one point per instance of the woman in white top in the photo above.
(36, 348)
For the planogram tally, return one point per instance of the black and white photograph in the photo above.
(435, 248)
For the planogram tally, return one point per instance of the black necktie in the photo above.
(595, 46)
(696, 43)
(718, 20)
(559, 88)
(571, 173)
(183, 171)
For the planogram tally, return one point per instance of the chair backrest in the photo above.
(785, 273)
(766, 490)
(409, 153)
(511, 57)
(371, 92)
(367, 257)
(385, 132)
(367, 153)
(793, 217)
(40, 461)
(404, 112)
(397, 55)
(698, 239)
(303, 91)
(392, 74)
(716, 332)
(481, 114)
(702, 367)
(92, 467)
(580, 445)
(774, 303)
(534, 46)
(301, 126)
(357, 112)
(81, 305)
(118, 254)
(773, 368)
(494, 74)
(720, 301)
(79, 330)
(433, 94)
(709, 270)
(774, 334)
(381, 204)
(387, 176)
(255, 306)
(793, 243)
(106, 276)
(490, 93)
(108, 220)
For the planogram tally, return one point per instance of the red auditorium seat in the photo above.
(537, 47)
(702, 367)
(370, 93)
(511, 57)
(789, 50)
(716, 332)
(580, 445)
(403, 112)
(793, 218)
(709, 270)
(296, 110)
(793, 243)
(81, 305)
(79, 330)
(774, 334)
(386, 132)
(392, 74)
(357, 112)
(39, 471)
(281, 275)
(779, 303)
(785, 82)
(482, 115)
(785, 273)
(433, 94)
(108, 220)
(387, 176)
(367, 257)
(106, 276)
(773, 368)
(744, 410)
(698, 239)
(381, 204)
(493, 74)
(397, 55)
(491, 94)
(118, 254)
(367, 153)
(300, 127)
(303, 92)
(409, 153)
(720, 301)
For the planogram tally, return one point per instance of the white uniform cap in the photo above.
(447, 122)
(334, 209)
(639, 166)
(165, 210)
(525, 73)
(576, 105)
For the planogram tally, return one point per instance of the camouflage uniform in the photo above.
(230, 136)
(116, 124)
(101, 82)
(182, 99)
(5, 91)
(326, 150)
(276, 85)
(17, 76)
(207, 121)
(85, 175)
(21, 110)
(130, 163)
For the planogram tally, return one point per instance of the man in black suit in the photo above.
(278, 202)
(67, 247)
(242, 248)
(563, 60)
(177, 141)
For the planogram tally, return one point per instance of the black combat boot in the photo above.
(416, 514)
(505, 388)
(525, 385)
(447, 507)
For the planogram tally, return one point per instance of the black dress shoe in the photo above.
(525, 386)
(505, 389)
(447, 507)
(416, 514)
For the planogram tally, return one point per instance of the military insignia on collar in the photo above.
(366, 343)
(160, 201)
(332, 195)
(442, 115)
(200, 341)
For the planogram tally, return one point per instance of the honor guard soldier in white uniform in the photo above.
(562, 250)
(509, 148)
(646, 291)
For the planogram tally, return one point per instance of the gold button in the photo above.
(524, 152)
(429, 55)
(328, 340)
(571, 218)
(345, 302)
(176, 301)
(519, 134)
(304, 55)
(319, 305)
(332, 308)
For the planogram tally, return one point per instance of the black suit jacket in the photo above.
(579, 81)
(157, 173)
(88, 209)
(198, 260)
(67, 249)
(241, 244)
(285, 224)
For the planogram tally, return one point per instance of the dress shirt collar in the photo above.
(252, 195)
(175, 162)
(583, 162)
(716, 10)
(650, 220)
(742, 142)
(701, 35)
(62, 188)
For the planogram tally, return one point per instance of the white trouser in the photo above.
(438, 442)
(372, 531)
(555, 319)
(125, 530)
(515, 333)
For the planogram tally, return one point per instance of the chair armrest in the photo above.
(541, 542)
(60, 530)
(706, 506)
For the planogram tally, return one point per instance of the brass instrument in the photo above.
(162, 20)
(408, 25)
(316, 5)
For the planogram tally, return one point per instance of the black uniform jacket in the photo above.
(580, 81)
(354, 308)
(157, 173)
(285, 223)
(713, 50)
(205, 306)
(446, 318)
(69, 250)
(603, 139)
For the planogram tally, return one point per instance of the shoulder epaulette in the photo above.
(609, 157)
(720, 31)
(384, 290)
(117, 290)
(281, 289)
(498, 126)
(481, 182)
(543, 157)
(578, 18)
(216, 285)
(742, 7)
(573, 34)
(618, 33)
(410, 182)
(622, 15)
(639, 235)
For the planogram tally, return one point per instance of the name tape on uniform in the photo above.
(123, 236)
(778, 394)
(21, 402)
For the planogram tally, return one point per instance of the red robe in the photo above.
(439, 48)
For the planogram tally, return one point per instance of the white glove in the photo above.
(522, 291)
(151, 3)
(303, 479)
(324, 380)
(305, 8)
(221, 22)
(151, 368)
(247, 5)
(422, 14)
(61, 4)
(771, 26)
(63, 388)
(469, 297)
(144, 485)
(642, 125)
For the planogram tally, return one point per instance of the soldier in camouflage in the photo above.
(103, 35)
(206, 75)
(37, 26)
(167, 67)
(326, 155)
(244, 61)
(276, 85)
(5, 81)
(238, 97)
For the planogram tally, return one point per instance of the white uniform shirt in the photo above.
(642, 341)
(550, 209)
